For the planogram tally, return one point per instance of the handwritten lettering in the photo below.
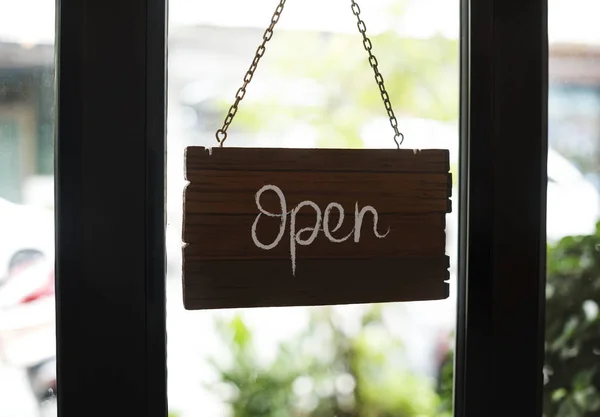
(307, 235)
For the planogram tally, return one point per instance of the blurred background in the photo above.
(313, 88)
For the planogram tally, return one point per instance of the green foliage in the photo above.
(258, 390)
(325, 371)
(573, 328)
(572, 359)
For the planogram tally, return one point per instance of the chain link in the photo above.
(362, 28)
(221, 134)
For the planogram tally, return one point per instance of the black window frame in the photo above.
(110, 200)
(503, 185)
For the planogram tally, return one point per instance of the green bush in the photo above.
(572, 358)
(324, 372)
(572, 361)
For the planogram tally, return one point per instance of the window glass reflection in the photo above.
(313, 88)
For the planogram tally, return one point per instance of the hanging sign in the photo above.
(296, 227)
(299, 227)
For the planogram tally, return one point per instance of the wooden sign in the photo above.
(299, 227)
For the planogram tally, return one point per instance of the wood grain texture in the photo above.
(230, 192)
(224, 268)
(199, 159)
(258, 283)
(219, 237)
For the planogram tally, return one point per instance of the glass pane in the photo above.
(313, 88)
(572, 363)
(27, 317)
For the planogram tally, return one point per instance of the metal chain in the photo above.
(362, 28)
(221, 134)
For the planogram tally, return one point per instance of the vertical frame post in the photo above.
(110, 199)
(503, 208)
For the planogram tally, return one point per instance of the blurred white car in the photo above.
(27, 313)
(27, 304)
(573, 201)
(23, 230)
(28, 316)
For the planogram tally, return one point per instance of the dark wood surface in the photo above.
(210, 237)
(199, 159)
(269, 283)
(233, 192)
(223, 267)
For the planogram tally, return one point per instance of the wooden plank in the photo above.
(242, 284)
(231, 192)
(199, 159)
(239, 254)
(210, 237)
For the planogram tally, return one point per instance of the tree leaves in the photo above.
(351, 375)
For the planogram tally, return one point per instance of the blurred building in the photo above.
(26, 117)
(574, 105)
(26, 99)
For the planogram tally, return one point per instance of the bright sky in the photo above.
(32, 21)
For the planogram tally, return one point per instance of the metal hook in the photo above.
(396, 136)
